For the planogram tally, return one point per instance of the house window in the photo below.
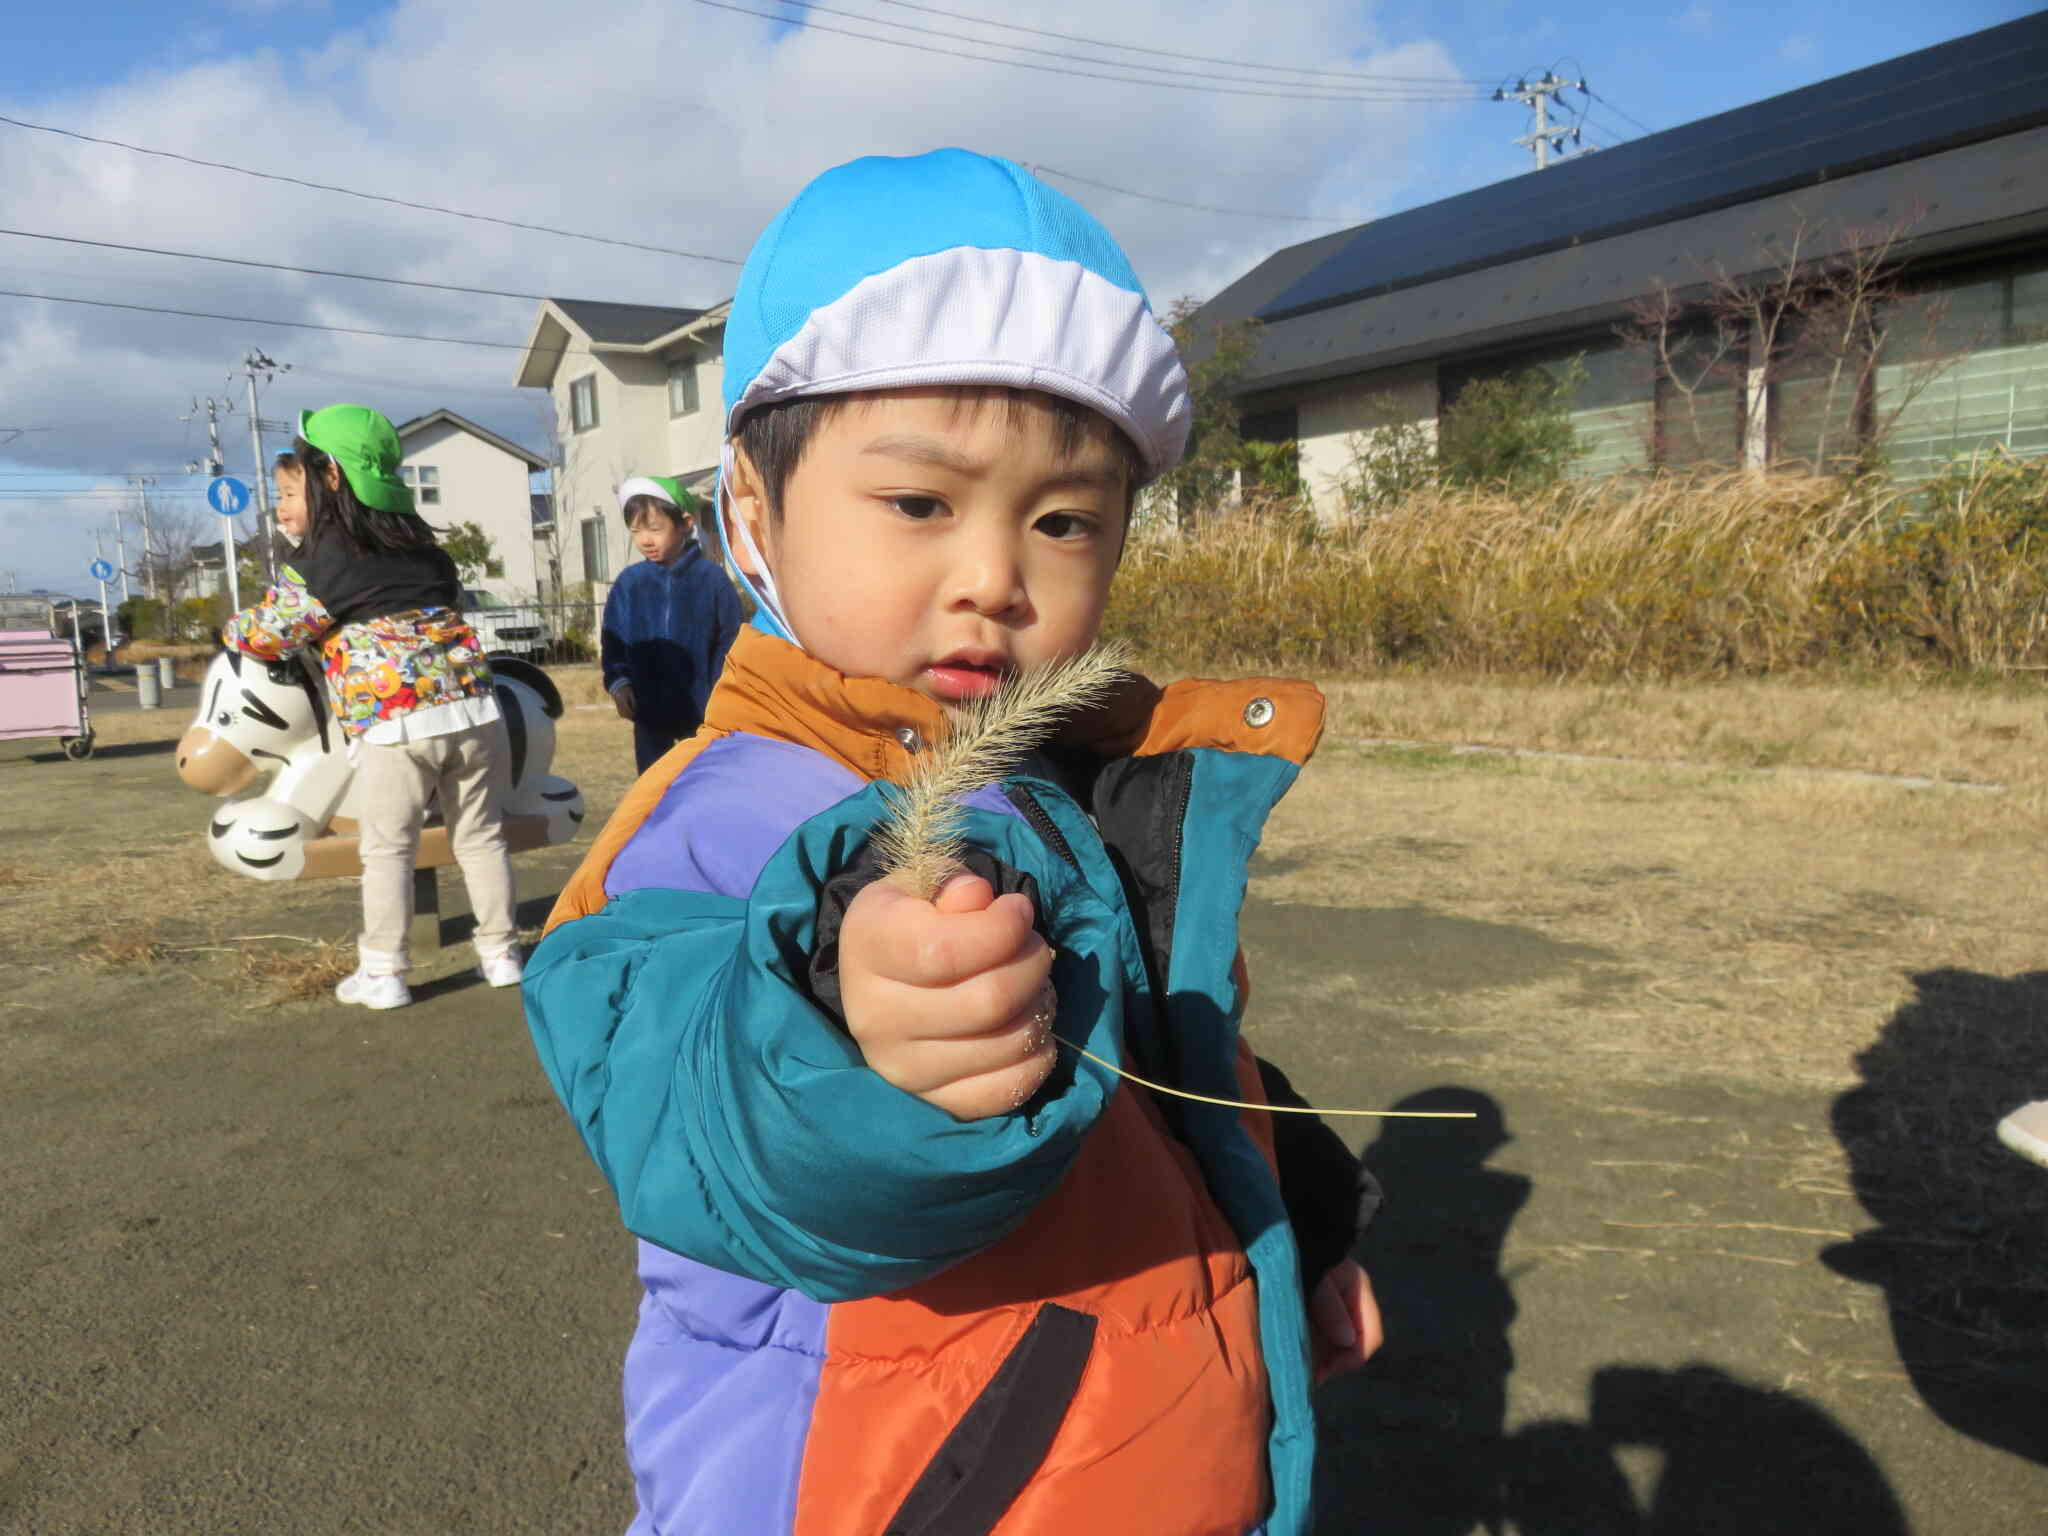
(425, 479)
(682, 387)
(1963, 368)
(583, 403)
(596, 561)
(1610, 407)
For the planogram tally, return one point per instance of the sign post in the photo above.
(102, 570)
(229, 497)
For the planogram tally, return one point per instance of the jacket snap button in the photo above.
(1259, 712)
(910, 740)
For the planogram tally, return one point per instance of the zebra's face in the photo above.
(253, 716)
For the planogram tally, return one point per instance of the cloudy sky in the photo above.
(685, 124)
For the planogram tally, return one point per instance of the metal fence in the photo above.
(556, 633)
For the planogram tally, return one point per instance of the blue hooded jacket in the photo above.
(666, 631)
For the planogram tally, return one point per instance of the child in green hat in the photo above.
(406, 681)
(668, 621)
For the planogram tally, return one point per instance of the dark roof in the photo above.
(463, 423)
(624, 324)
(1978, 87)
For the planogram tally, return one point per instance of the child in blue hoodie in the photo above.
(668, 621)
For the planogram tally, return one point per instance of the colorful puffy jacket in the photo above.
(390, 638)
(862, 1316)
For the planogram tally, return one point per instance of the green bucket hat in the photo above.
(365, 445)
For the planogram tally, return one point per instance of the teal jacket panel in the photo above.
(738, 1124)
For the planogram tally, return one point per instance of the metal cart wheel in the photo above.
(78, 748)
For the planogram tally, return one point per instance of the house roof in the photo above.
(436, 418)
(1977, 87)
(630, 324)
(1947, 149)
(606, 327)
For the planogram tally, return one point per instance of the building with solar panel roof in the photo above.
(1939, 157)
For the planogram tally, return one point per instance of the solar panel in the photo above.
(1975, 87)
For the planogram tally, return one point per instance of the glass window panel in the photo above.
(595, 564)
(2029, 318)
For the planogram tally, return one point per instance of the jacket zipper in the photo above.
(1184, 790)
(1041, 822)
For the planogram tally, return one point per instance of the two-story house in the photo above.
(636, 391)
(463, 473)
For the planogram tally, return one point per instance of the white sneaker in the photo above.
(504, 969)
(2025, 1130)
(373, 991)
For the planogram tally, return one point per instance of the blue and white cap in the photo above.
(950, 268)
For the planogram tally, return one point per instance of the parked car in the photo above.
(517, 629)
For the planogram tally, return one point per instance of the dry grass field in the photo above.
(1743, 969)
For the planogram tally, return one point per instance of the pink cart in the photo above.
(42, 691)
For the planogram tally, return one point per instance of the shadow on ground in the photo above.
(108, 753)
(1960, 1248)
(1417, 1444)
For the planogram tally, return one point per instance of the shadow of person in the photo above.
(1961, 1243)
(1738, 1460)
(1411, 1445)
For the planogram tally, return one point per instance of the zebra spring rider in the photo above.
(264, 740)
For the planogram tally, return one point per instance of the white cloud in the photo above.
(1698, 20)
(650, 120)
(1797, 50)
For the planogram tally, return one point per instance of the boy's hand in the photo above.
(1344, 1321)
(949, 999)
(622, 701)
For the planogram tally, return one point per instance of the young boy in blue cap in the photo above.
(909, 1263)
(668, 621)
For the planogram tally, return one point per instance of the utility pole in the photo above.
(142, 484)
(254, 363)
(231, 557)
(1545, 140)
(121, 553)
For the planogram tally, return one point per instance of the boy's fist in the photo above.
(622, 700)
(949, 999)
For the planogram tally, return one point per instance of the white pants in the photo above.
(467, 771)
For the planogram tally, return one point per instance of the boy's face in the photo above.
(940, 541)
(659, 537)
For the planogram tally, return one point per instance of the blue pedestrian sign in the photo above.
(228, 496)
(102, 570)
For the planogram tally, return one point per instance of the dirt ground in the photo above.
(1727, 1249)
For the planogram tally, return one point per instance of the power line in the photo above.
(1399, 90)
(374, 382)
(1608, 101)
(296, 325)
(373, 197)
(1045, 69)
(1353, 75)
(1153, 197)
(269, 266)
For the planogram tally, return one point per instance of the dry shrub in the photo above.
(1626, 577)
(299, 974)
(126, 949)
(17, 876)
